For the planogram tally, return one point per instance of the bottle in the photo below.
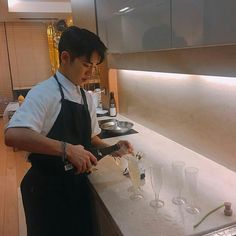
(112, 105)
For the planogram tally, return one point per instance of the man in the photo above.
(57, 124)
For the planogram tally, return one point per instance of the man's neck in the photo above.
(66, 75)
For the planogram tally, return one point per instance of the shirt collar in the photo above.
(66, 83)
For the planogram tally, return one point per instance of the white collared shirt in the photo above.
(42, 105)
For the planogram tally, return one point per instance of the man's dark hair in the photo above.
(80, 42)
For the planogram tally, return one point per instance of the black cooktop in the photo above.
(105, 134)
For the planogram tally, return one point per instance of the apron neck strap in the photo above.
(62, 94)
(81, 90)
(84, 98)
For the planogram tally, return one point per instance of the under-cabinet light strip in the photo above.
(212, 79)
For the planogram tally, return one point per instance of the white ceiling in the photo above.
(15, 10)
(46, 0)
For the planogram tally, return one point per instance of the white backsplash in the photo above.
(196, 111)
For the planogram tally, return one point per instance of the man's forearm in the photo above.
(98, 143)
(29, 140)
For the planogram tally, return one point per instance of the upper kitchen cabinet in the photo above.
(203, 22)
(134, 25)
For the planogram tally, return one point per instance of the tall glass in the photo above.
(156, 182)
(191, 176)
(134, 173)
(178, 177)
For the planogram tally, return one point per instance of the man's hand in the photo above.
(80, 158)
(125, 148)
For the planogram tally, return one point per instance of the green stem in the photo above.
(217, 208)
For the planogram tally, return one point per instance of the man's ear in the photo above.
(65, 57)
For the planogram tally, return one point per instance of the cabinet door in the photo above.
(203, 22)
(28, 53)
(103, 224)
(134, 26)
(219, 22)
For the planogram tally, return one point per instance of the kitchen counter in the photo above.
(9, 111)
(216, 184)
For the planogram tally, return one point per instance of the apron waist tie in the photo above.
(47, 165)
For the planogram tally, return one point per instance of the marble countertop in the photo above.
(216, 184)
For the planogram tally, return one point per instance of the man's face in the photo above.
(79, 71)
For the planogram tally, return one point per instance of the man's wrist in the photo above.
(64, 153)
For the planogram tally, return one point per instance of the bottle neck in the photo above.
(112, 98)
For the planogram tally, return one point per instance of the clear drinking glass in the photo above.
(156, 182)
(178, 177)
(191, 176)
(134, 173)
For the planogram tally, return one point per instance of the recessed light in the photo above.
(124, 9)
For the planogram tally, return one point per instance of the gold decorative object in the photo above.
(53, 39)
(54, 35)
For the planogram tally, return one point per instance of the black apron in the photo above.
(57, 202)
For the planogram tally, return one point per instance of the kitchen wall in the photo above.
(196, 111)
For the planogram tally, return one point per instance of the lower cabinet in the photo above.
(103, 223)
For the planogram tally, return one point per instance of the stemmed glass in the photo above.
(191, 175)
(156, 182)
(134, 173)
(178, 176)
